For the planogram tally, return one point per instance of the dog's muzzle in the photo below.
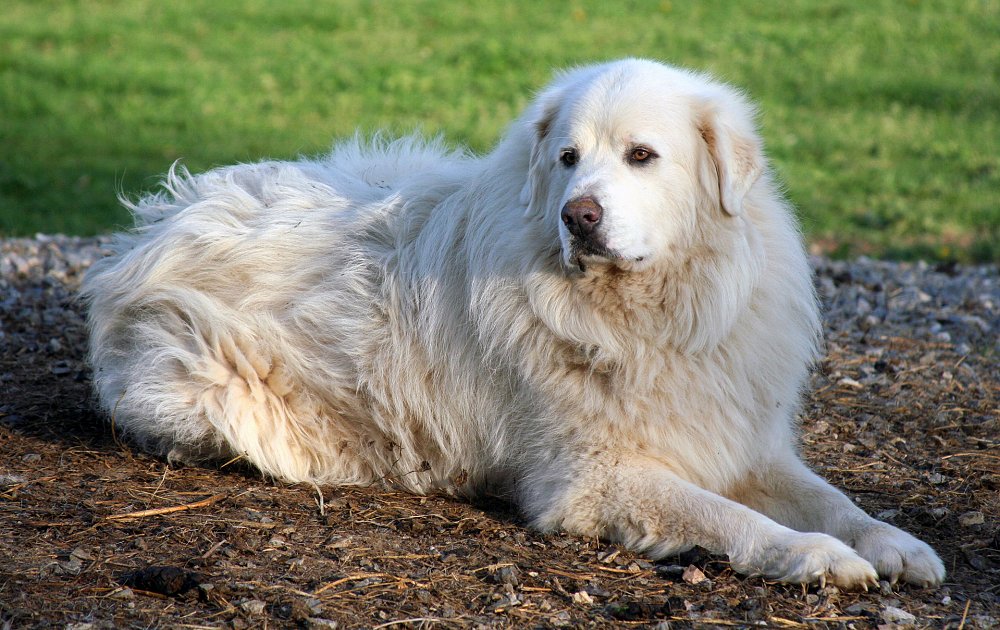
(582, 217)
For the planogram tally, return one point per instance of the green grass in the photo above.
(882, 117)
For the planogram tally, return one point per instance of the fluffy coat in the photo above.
(396, 312)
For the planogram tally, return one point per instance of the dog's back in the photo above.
(228, 323)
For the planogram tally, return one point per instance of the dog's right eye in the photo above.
(568, 157)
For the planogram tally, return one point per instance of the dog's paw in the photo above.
(811, 558)
(897, 555)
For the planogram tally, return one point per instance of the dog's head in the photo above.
(632, 159)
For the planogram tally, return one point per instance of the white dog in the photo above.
(609, 316)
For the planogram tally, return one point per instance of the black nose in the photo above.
(582, 216)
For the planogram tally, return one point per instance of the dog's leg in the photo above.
(642, 504)
(791, 494)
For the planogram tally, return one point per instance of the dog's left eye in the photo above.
(641, 154)
(569, 157)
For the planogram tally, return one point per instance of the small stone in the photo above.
(583, 598)
(314, 605)
(596, 590)
(868, 322)
(693, 575)
(891, 614)
(508, 575)
(81, 553)
(253, 606)
(60, 368)
(978, 562)
(937, 479)
(123, 593)
(73, 566)
(971, 519)
(884, 587)
(812, 599)
(672, 571)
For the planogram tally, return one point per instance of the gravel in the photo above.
(38, 282)
(946, 303)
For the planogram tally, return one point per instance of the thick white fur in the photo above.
(403, 314)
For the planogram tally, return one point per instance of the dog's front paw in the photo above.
(897, 555)
(808, 558)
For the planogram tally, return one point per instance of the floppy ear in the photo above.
(726, 125)
(539, 126)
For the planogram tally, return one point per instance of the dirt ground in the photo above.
(917, 445)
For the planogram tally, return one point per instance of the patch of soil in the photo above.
(95, 534)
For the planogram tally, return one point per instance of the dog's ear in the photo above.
(725, 122)
(540, 124)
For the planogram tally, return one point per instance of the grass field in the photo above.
(882, 117)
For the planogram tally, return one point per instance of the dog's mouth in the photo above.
(583, 254)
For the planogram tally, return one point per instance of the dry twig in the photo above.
(169, 510)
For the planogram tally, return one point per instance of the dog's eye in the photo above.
(568, 157)
(641, 154)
